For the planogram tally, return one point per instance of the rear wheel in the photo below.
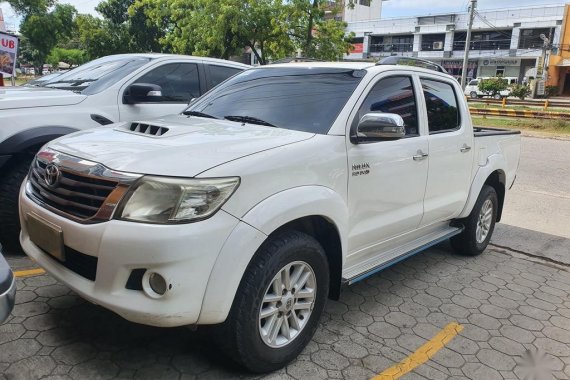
(278, 303)
(14, 175)
(473, 95)
(479, 225)
(498, 96)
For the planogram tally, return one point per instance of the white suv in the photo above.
(257, 203)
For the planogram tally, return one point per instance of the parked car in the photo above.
(472, 89)
(7, 289)
(264, 197)
(106, 90)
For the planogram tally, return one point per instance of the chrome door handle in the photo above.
(420, 156)
(465, 148)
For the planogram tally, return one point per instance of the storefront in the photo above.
(503, 67)
(455, 67)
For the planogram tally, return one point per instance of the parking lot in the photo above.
(502, 315)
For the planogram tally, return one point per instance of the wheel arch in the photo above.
(315, 210)
(493, 175)
(497, 180)
(32, 138)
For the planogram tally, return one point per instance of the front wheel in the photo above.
(479, 225)
(498, 97)
(473, 95)
(278, 304)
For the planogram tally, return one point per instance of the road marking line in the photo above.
(422, 354)
(29, 272)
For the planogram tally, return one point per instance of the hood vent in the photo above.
(147, 129)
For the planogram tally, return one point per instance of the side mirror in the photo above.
(378, 127)
(142, 93)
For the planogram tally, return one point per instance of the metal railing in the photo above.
(389, 48)
(483, 45)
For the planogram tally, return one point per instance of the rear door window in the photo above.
(218, 74)
(441, 104)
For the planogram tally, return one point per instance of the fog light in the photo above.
(155, 285)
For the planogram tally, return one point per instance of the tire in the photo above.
(470, 242)
(473, 95)
(498, 97)
(13, 175)
(241, 336)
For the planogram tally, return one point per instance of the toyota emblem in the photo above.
(52, 175)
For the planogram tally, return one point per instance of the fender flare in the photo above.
(29, 138)
(494, 163)
(255, 226)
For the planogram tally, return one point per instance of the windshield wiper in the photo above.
(249, 119)
(198, 114)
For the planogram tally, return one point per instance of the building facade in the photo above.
(504, 42)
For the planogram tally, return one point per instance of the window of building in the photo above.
(441, 104)
(393, 95)
(500, 71)
(218, 74)
(488, 40)
(530, 38)
(366, 3)
(179, 81)
(389, 44)
(441, 19)
(433, 42)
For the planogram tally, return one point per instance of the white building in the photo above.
(504, 41)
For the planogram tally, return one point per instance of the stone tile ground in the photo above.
(515, 313)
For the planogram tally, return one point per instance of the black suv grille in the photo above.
(74, 194)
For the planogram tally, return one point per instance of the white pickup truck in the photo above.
(256, 204)
(110, 89)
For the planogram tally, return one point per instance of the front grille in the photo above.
(73, 193)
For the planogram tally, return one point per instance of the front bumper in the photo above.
(7, 289)
(183, 254)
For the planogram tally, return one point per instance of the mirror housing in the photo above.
(142, 93)
(378, 127)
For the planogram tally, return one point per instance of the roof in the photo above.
(332, 65)
(180, 56)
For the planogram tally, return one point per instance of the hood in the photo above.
(185, 147)
(27, 97)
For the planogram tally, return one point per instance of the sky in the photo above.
(391, 8)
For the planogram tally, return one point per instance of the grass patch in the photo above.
(545, 126)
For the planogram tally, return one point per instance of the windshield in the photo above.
(298, 98)
(97, 75)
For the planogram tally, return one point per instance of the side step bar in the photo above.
(448, 233)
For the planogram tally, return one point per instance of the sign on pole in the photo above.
(8, 52)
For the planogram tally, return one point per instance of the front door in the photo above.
(387, 178)
(450, 150)
(180, 82)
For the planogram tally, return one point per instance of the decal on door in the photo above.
(360, 169)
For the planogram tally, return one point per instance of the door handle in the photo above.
(420, 156)
(465, 148)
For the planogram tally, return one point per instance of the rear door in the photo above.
(450, 151)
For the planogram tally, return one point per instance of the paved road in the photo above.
(536, 216)
(514, 310)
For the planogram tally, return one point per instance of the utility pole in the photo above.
(468, 43)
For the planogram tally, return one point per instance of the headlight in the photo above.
(175, 200)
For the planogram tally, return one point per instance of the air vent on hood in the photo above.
(148, 129)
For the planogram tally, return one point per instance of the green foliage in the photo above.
(72, 57)
(99, 38)
(493, 86)
(43, 28)
(552, 91)
(521, 91)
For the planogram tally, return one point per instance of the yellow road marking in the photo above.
(29, 272)
(422, 354)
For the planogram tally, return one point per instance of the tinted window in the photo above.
(441, 104)
(303, 99)
(179, 81)
(218, 74)
(474, 83)
(97, 75)
(393, 95)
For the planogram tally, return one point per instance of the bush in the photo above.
(493, 86)
(521, 91)
(552, 91)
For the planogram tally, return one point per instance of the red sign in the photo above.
(358, 48)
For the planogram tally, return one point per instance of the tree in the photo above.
(58, 21)
(72, 57)
(99, 38)
(493, 86)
